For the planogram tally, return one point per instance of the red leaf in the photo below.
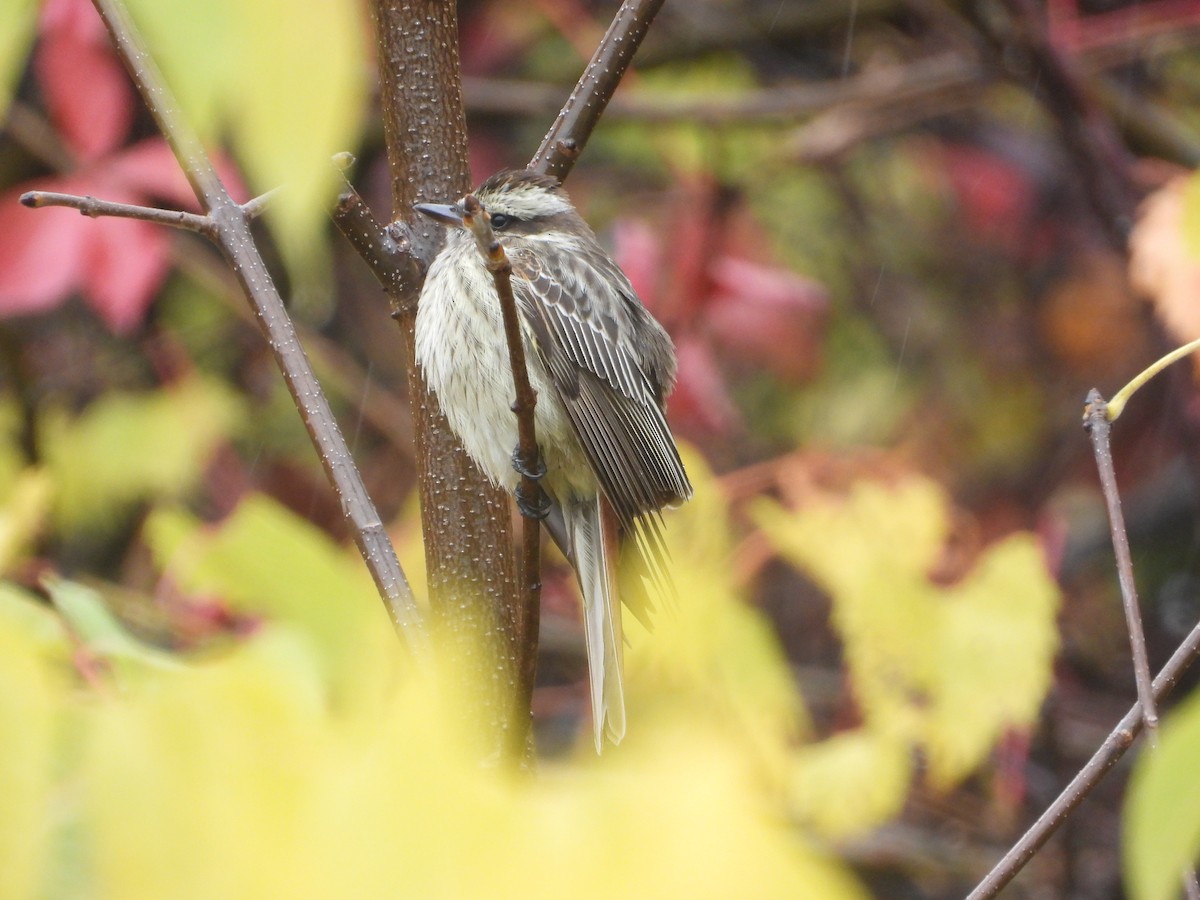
(767, 316)
(88, 95)
(638, 252)
(41, 255)
(125, 263)
(701, 403)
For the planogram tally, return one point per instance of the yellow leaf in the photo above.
(945, 669)
(23, 514)
(710, 656)
(31, 700)
(15, 40)
(848, 784)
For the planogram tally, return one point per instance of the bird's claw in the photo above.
(533, 504)
(536, 470)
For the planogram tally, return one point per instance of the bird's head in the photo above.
(516, 202)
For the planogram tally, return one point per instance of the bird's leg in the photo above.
(533, 504)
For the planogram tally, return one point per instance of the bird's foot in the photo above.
(535, 470)
(533, 504)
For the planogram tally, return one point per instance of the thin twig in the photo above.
(1117, 405)
(1096, 421)
(231, 231)
(1106, 756)
(528, 457)
(1099, 425)
(94, 208)
(579, 115)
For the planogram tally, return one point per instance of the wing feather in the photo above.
(588, 324)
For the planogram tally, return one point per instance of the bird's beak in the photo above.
(440, 212)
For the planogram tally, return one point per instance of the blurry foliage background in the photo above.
(891, 281)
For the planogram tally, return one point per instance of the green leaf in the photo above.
(287, 82)
(16, 38)
(1162, 810)
(127, 448)
(268, 561)
(94, 624)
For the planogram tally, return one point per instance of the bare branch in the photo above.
(232, 233)
(579, 115)
(1106, 756)
(93, 208)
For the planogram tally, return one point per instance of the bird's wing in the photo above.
(587, 323)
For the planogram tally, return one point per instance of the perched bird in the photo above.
(602, 368)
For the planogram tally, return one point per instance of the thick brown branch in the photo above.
(465, 520)
(578, 117)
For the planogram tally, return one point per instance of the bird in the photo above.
(602, 368)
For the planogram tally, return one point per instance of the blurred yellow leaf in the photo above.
(945, 668)
(711, 656)
(199, 784)
(31, 701)
(1161, 825)
(23, 514)
(16, 37)
(127, 448)
(848, 784)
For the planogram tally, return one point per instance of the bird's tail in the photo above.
(594, 542)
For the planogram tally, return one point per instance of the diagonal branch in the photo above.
(1119, 740)
(570, 132)
(230, 229)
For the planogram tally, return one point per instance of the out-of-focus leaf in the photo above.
(15, 38)
(701, 402)
(289, 87)
(1164, 261)
(204, 778)
(22, 515)
(96, 626)
(36, 624)
(31, 701)
(239, 761)
(848, 784)
(945, 668)
(710, 656)
(127, 448)
(47, 255)
(86, 89)
(268, 561)
(1162, 811)
(768, 317)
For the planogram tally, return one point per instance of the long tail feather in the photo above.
(594, 545)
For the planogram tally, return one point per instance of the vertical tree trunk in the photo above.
(467, 524)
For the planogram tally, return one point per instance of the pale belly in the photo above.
(462, 352)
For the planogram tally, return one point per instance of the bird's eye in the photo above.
(500, 220)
